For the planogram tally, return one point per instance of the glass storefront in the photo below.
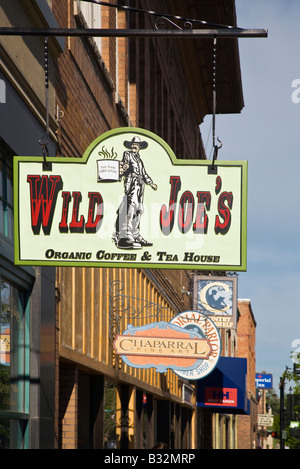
(14, 372)
(14, 331)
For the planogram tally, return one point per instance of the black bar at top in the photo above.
(80, 32)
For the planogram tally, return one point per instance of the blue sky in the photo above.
(267, 135)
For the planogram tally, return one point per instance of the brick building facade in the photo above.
(97, 84)
(119, 82)
(247, 424)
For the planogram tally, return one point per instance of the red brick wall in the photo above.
(85, 89)
(246, 340)
(246, 349)
(159, 99)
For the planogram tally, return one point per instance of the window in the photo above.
(6, 196)
(92, 16)
(14, 366)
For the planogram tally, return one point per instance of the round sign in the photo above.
(214, 296)
(205, 327)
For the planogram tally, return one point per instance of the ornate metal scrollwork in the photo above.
(162, 23)
(122, 306)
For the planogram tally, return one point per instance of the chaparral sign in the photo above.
(162, 346)
(130, 202)
(189, 345)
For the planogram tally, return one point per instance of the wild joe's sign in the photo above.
(130, 202)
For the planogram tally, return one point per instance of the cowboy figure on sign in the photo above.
(127, 235)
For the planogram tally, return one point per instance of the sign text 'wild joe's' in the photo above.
(129, 201)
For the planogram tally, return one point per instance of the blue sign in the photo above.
(263, 381)
(225, 389)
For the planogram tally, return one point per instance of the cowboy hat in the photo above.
(128, 144)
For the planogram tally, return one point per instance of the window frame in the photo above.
(92, 14)
(20, 280)
(6, 196)
(19, 417)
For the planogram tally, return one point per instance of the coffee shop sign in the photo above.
(130, 202)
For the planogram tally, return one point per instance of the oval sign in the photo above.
(162, 345)
(205, 327)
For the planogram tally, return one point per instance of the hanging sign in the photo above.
(205, 327)
(162, 346)
(130, 202)
(217, 297)
(263, 381)
(265, 420)
(225, 389)
(189, 345)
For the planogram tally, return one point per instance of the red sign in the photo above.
(226, 397)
